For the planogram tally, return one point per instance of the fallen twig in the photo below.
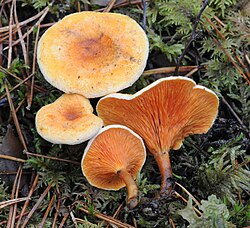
(228, 55)
(73, 218)
(19, 105)
(1, 44)
(27, 201)
(7, 28)
(223, 38)
(165, 70)
(12, 201)
(13, 173)
(12, 197)
(16, 196)
(47, 211)
(16, 86)
(10, 35)
(20, 79)
(18, 216)
(107, 218)
(57, 210)
(32, 28)
(65, 217)
(189, 194)
(171, 222)
(8, 157)
(193, 36)
(125, 3)
(192, 72)
(185, 200)
(25, 54)
(116, 213)
(36, 205)
(247, 59)
(220, 23)
(236, 116)
(86, 223)
(109, 6)
(12, 108)
(31, 93)
(52, 158)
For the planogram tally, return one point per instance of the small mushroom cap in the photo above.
(163, 113)
(93, 54)
(114, 148)
(69, 120)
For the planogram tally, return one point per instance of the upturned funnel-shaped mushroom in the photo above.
(69, 120)
(112, 160)
(93, 54)
(163, 114)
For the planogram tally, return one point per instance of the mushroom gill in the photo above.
(163, 114)
(112, 160)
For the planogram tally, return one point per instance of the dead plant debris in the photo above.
(41, 184)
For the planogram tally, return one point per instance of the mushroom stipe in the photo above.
(163, 114)
(112, 160)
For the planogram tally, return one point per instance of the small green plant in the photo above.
(2, 76)
(4, 195)
(144, 185)
(240, 215)
(215, 163)
(214, 214)
(17, 65)
(223, 175)
(3, 192)
(221, 6)
(37, 4)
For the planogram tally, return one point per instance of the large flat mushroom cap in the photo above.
(163, 113)
(114, 148)
(69, 120)
(93, 54)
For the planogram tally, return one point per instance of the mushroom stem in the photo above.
(131, 187)
(163, 161)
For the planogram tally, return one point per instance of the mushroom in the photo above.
(69, 120)
(163, 114)
(113, 158)
(92, 53)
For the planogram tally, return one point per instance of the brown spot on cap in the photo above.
(71, 115)
(93, 45)
(69, 120)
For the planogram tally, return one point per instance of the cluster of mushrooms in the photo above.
(90, 55)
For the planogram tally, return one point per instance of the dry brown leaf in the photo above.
(11, 146)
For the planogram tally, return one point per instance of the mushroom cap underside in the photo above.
(114, 148)
(93, 54)
(69, 120)
(163, 113)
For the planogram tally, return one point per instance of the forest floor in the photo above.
(42, 185)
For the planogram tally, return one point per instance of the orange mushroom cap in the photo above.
(113, 158)
(69, 120)
(163, 114)
(93, 54)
